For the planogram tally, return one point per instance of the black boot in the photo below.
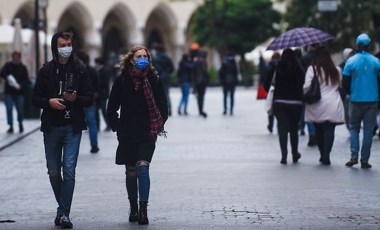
(325, 159)
(10, 130)
(283, 158)
(143, 213)
(134, 212)
(296, 157)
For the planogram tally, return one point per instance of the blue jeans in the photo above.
(228, 89)
(138, 174)
(91, 123)
(185, 87)
(61, 151)
(19, 102)
(310, 128)
(366, 113)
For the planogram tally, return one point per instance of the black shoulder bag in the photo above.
(313, 95)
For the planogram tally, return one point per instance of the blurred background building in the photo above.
(102, 28)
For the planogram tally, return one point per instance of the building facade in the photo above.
(103, 28)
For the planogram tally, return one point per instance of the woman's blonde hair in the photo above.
(125, 61)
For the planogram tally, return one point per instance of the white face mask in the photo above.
(65, 52)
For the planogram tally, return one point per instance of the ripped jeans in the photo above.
(61, 151)
(137, 180)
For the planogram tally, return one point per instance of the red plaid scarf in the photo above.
(156, 121)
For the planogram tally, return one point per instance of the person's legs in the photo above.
(319, 137)
(181, 102)
(232, 99)
(92, 128)
(312, 138)
(71, 144)
(201, 90)
(270, 122)
(356, 117)
(8, 100)
(185, 95)
(53, 153)
(283, 128)
(166, 91)
(131, 185)
(328, 139)
(302, 120)
(295, 112)
(19, 101)
(144, 156)
(294, 119)
(225, 92)
(103, 108)
(369, 122)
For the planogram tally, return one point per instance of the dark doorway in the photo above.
(154, 37)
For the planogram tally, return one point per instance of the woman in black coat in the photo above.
(139, 95)
(287, 102)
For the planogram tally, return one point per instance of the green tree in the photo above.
(351, 18)
(236, 25)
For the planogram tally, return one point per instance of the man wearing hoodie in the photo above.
(62, 90)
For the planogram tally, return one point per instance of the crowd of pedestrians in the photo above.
(349, 94)
(136, 104)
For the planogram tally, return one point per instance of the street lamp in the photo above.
(37, 37)
(43, 4)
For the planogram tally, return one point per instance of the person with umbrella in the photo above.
(361, 78)
(287, 102)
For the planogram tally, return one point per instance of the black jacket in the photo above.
(228, 72)
(289, 82)
(133, 122)
(20, 73)
(47, 87)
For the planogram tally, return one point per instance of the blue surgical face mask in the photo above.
(141, 63)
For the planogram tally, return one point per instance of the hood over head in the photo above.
(54, 39)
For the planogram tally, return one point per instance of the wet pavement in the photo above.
(222, 172)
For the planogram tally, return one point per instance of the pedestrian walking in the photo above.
(201, 80)
(185, 70)
(306, 61)
(91, 111)
(164, 66)
(62, 90)
(104, 89)
(140, 96)
(17, 80)
(347, 53)
(269, 74)
(228, 76)
(328, 111)
(361, 81)
(287, 102)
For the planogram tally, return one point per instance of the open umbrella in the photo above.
(299, 37)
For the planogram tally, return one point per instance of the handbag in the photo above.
(261, 93)
(269, 99)
(313, 94)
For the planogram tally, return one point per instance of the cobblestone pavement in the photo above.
(222, 172)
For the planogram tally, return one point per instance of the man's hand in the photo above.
(70, 96)
(57, 103)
